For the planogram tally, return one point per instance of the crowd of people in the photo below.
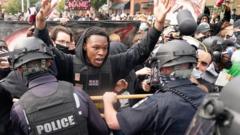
(190, 74)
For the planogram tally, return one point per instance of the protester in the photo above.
(4, 64)
(203, 31)
(161, 113)
(63, 39)
(92, 68)
(11, 81)
(30, 31)
(204, 59)
(40, 109)
(236, 32)
(96, 61)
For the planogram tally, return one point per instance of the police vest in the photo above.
(95, 81)
(54, 114)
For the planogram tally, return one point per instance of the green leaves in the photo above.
(61, 5)
(98, 3)
(14, 6)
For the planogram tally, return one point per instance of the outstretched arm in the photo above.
(161, 8)
(125, 62)
(41, 30)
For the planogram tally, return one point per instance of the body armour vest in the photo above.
(55, 114)
(95, 81)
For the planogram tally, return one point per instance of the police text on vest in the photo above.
(55, 125)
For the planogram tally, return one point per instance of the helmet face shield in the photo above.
(218, 114)
(201, 126)
(204, 126)
(29, 56)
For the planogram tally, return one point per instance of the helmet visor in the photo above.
(201, 126)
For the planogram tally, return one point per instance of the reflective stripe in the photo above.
(25, 116)
(76, 100)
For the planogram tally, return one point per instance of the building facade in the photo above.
(235, 4)
(146, 6)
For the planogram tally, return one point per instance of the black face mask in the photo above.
(71, 51)
(62, 48)
(4, 72)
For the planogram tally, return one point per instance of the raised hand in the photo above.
(45, 10)
(161, 8)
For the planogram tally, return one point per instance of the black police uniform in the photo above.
(52, 107)
(167, 112)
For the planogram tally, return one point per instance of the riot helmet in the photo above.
(218, 115)
(172, 54)
(175, 52)
(211, 41)
(29, 49)
(230, 96)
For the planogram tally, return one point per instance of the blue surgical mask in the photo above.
(197, 73)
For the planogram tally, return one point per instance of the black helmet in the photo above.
(211, 41)
(219, 115)
(230, 96)
(175, 52)
(29, 49)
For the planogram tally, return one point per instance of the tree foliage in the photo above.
(33, 2)
(98, 3)
(60, 6)
(14, 6)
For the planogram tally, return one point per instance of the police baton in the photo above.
(133, 96)
(95, 98)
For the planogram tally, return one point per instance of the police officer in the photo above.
(170, 110)
(218, 115)
(50, 106)
(92, 67)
